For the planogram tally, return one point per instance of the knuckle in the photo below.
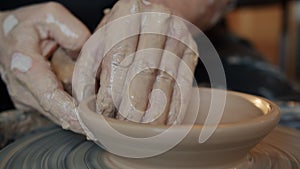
(149, 71)
(164, 76)
(191, 58)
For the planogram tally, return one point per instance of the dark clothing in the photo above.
(89, 12)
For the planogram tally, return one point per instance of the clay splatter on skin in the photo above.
(63, 28)
(146, 2)
(20, 62)
(9, 23)
(134, 9)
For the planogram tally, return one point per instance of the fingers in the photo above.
(131, 82)
(181, 95)
(48, 47)
(113, 73)
(63, 67)
(172, 55)
(138, 85)
(98, 45)
(24, 100)
(42, 83)
(142, 73)
(56, 22)
(31, 34)
(165, 80)
(34, 72)
(52, 21)
(114, 68)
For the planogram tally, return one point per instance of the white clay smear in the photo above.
(21, 62)
(9, 23)
(63, 28)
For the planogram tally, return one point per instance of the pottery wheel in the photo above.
(57, 148)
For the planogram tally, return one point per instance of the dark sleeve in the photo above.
(243, 3)
(89, 12)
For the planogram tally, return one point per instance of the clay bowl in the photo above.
(245, 121)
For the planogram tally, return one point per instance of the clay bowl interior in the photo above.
(246, 120)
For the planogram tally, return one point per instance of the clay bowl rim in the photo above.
(272, 115)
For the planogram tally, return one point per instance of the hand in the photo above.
(28, 36)
(137, 74)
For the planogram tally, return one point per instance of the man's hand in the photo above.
(28, 36)
(138, 64)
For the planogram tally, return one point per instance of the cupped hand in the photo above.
(28, 36)
(139, 63)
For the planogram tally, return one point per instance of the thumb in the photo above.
(34, 72)
(59, 24)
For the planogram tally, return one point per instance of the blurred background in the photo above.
(259, 44)
(273, 28)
